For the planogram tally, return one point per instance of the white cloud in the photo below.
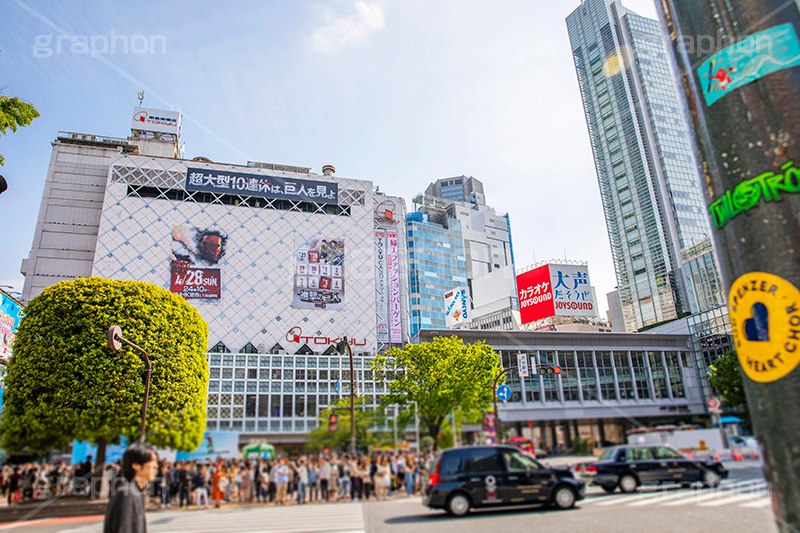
(339, 31)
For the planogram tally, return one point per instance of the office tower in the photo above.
(645, 165)
(459, 188)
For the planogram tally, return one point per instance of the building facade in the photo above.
(645, 165)
(482, 260)
(459, 188)
(436, 264)
(609, 383)
(288, 274)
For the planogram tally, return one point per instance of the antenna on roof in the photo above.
(140, 95)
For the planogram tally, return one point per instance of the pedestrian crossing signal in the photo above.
(333, 422)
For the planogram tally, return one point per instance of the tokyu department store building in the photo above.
(279, 261)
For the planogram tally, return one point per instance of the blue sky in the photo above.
(397, 92)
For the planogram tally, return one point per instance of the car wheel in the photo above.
(628, 483)
(564, 497)
(457, 505)
(609, 489)
(711, 479)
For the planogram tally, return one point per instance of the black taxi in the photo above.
(628, 467)
(485, 476)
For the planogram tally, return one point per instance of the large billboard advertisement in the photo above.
(572, 293)
(381, 287)
(243, 184)
(10, 315)
(456, 304)
(195, 258)
(555, 290)
(393, 262)
(145, 119)
(319, 273)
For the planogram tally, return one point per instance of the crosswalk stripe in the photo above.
(698, 497)
(732, 499)
(290, 519)
(667, 497)
(628, 499)
(763, 502)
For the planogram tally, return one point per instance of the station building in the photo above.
(609, 383)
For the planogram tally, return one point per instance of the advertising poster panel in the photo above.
(393, 261)
(456, 304)
(572, 293)
(10, 315)
(381, 287)
(535, 295)
(195, 258)
(215, 444)
(319, 273)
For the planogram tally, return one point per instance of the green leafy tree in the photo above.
(14, 113)
(368, 428)
(726, 378)
(439, 376)
(64, 383)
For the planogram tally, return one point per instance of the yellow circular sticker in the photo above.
(765, 316)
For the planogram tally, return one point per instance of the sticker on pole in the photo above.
(765, 317)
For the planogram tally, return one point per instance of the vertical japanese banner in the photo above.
(381, 287)
(395, 327)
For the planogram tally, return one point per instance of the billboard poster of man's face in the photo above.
(195, 253)
(319, 273)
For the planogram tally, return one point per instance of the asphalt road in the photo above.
(741, 504)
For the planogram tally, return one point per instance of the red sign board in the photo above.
(535, 295)
(196, 283)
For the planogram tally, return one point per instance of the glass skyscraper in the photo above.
(645, 166)
(436, 264)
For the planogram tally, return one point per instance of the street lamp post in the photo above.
(341, 346)
(115, 340)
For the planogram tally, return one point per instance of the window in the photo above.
(219, 348)
(640, 375)
(586, 369)
(482, 460)
(662, 452)
(639, 454)
(517, 462)
(569, 378)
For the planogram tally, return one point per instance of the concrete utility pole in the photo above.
(738, 63)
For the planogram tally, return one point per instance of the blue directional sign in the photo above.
(504, 392)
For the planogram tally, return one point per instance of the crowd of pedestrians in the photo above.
(310, 478)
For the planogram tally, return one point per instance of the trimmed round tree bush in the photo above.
(64, 383)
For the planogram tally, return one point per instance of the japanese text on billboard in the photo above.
(195, 255)
(223, 181)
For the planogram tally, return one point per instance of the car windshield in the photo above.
(608, 454)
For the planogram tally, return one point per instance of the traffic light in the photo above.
(549, 369)
(333, 421)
